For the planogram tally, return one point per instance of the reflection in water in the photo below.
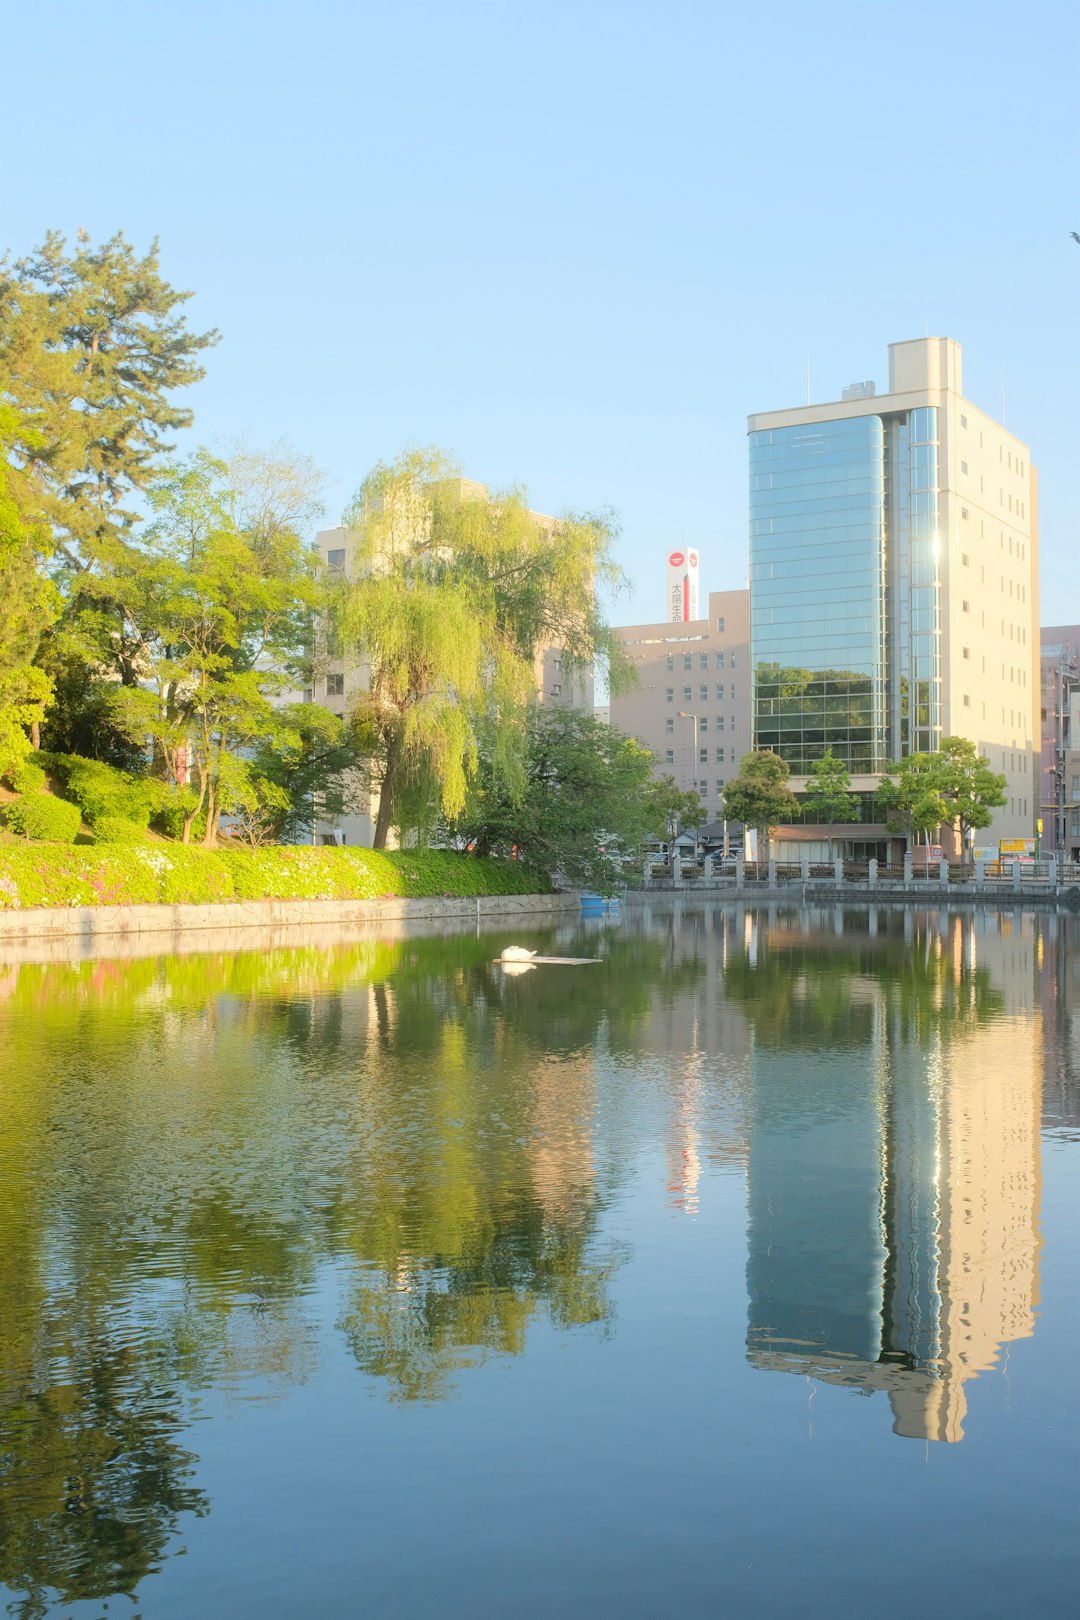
(197, 1151)
(894, 1173)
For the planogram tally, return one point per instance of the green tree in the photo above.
(28, 605)
(760, 797)
(669, 807)
(583, 807)
(827, 794)
(215, 623)
(455, 595)
(911, 795)
(970, 790)
(93, 343)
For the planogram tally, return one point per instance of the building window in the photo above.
(703, 723)
(687, 660)
(967, 652)
(703, 692)
(335, 685)
(703, 756)
(687, 692)
(719, 722)
(719, 660)
(964, 513)
(669, 723)
(963, 421)
(671, 660)
(966, 606)
(703, 660)
(670, 756)
(335, 560)
(671, 694)
(309, 694)
(556, 691)
(719, 627)
(719, 756)
(967, 701)
(719, 785)
(964, 558)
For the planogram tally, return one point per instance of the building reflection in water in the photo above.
(893, 1174)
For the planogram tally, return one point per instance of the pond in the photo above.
(734, 1274)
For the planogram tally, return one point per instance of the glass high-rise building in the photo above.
(893, 550)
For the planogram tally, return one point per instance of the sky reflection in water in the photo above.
(367, 1278)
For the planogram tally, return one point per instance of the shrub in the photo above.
(170, 874)
(102, 790)
(45, 819)
(117, 830)
(27, 777)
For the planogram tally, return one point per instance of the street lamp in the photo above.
(684, 714)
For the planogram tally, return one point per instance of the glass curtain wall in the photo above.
(818, 592)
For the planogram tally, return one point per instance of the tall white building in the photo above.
(893, 576)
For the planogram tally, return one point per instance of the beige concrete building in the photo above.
(340, 682)
(893, 571)
(691, 706)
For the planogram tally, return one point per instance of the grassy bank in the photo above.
(169, 874)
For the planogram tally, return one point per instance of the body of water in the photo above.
(734, 1275)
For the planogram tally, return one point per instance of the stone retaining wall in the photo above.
(93, 922)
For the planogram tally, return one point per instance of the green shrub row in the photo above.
(147, 874)
(103, 792)
(43, 818)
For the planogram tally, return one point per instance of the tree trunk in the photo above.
(213, 815)
(35, 735)
(387, 792)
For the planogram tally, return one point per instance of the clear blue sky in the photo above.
(577, 243)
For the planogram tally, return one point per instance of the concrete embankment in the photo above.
(794, 892)
(110, 923)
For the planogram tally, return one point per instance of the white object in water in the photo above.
(516, 953)
(514, 969)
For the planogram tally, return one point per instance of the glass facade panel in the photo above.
(845, 592)
(817, 592)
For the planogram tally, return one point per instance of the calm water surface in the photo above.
(735, 1276)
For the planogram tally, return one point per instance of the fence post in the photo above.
(943, 873)
(772, 874)
(1016, 876)
(646, 872)
(872, 874)
(707, 869)
(805, 865)
(676, 870)
(1051, 871)
(740, 870)
(838, 869)
(980, 872)
(907, 866)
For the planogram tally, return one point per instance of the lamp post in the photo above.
(684, 714)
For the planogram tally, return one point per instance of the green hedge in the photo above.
(102, 791)
(43, 818)
(27, 777)
(119, 875)
(117, 830)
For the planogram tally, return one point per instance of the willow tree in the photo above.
(452, 597)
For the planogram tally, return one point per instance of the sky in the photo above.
(576, 244)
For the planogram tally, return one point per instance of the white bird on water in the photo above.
(516, 953)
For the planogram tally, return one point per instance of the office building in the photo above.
(1059, 717)
(893, 573)
(691, 705)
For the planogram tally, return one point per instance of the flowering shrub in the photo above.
(175, 874)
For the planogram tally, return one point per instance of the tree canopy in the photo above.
(587, 801)
(953, 785)
(453, 595)
(760, 797)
